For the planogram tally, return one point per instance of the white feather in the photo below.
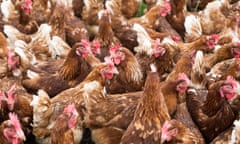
(100, 14)
(193, 26)
(159, 2)
(108, 5)
(144, 40)
(20, 47)
(7, 8)
(11, 32)
(34, 101)
(32, 74)
(58, 47)
(198, 61)
(216, 48)
(87, 4)
(235, 138)
(169, 41)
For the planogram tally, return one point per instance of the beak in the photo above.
(21, 135)
(115, 71)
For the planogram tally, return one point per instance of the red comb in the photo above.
(215, 37)
(14, 119)
(182, 76)
(213, 40)
(114, 48)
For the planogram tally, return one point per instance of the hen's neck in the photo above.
(152, 102)
(105, 33)
(131, 68)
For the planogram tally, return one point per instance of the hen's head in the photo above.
(11, 97)
(83, 48)
(158, 50)
(95, 47)
(236, 50)
(27, 6)
(168, 133)
(230, 88)
(116, 54)
(71, 111)
(165, 9)
(212, 40)
(108, 71)
(12, 60)
(183, 82)
(13, 131)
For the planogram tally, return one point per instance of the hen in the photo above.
(18, 101)
(183, 116)
(149, 19)
(174, 131)
(153, 51)
(130, 77)
(211, 111)
(11, 131)
(63, 129)
(225, 52)
(71, 72)
(37, 49)
(150, 114)
(105, 35)
(172, 90)
(18, 14)
(46, 111)
(111, 116)
(212, 18)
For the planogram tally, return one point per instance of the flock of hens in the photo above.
(120, 71)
